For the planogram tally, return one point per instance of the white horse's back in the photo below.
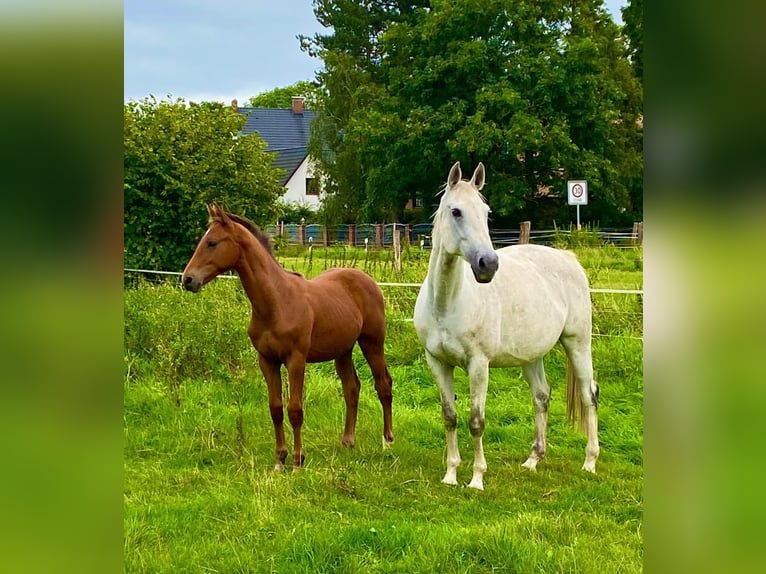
(542, 293)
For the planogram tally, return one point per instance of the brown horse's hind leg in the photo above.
(273, 378)
(372, 348)
(344, 366)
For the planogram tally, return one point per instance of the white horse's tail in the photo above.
(576, 414)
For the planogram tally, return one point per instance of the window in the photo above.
(312, 186)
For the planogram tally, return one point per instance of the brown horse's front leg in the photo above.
(296, 370)
(270, 370)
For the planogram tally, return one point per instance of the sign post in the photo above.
(577, 194)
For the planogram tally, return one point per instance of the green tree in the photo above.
(281, 98)
(633, 17)
(352, 85)
(179, 157)
(540, 92)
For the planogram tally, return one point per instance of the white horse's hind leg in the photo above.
(444, 378)
(582, 363)
(478, 373)
(541, 396)
(589, 391)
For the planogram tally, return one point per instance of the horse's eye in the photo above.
(212, 243)
(456, 212)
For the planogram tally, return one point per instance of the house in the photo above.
(286, 131)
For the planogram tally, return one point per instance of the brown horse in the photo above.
(297, 321)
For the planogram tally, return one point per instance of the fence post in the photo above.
(397, 249)
(352, 235)
(638, 232)
(302, 231)
(325, 236)
(524, 233)
(379, 234)
(408, 233)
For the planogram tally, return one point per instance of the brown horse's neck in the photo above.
(263, 279)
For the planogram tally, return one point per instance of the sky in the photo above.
(220, 50)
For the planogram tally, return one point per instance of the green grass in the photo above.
(200, 495)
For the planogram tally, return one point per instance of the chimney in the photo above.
(297, 105)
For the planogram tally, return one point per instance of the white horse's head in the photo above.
(460, 224)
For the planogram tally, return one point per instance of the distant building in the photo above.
(286, 131)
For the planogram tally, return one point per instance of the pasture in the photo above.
(201, 495)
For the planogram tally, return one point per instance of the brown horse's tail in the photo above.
(576, 414)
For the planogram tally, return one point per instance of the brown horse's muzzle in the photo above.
(191, 283)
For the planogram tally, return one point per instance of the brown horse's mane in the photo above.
(262, 237)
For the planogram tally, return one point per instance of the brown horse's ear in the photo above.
(478, 177)
(454, 175)
(217, 213)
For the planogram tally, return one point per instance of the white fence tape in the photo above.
(149, 271)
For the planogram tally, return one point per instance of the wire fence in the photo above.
(617, 313)
(382, 234)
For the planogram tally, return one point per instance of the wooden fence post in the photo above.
(379, 234)
(302, 232)
(397, 249)
(638, 232)
(325, 236)
(352, 235)
(524, 233)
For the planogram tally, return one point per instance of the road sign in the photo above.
(577, 192)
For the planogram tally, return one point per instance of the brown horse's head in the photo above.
(217, 251)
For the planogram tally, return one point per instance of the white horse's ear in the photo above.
(454, 175)
(478, 177)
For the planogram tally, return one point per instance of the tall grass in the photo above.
(200, 495)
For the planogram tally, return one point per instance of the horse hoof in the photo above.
(450, 480)
(387, 443)
(590, 467)
(348, 443)
(477, 484)
(279, 467)
(531, 464)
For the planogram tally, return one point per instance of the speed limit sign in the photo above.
(577, 192)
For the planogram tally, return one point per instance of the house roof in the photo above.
(284, 132)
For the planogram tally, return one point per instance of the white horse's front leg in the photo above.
(478, 373)
(444, 378)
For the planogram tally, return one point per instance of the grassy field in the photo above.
(200, 495)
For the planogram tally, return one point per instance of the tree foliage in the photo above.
(633, 16)
(281, 98)
(541, 92)
(178, 158)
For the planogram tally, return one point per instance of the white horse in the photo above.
(480, 308)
